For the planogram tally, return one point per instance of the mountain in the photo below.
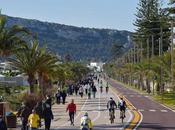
(79, 42)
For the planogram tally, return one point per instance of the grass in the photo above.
(167, 99)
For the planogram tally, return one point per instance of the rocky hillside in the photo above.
(80, 43)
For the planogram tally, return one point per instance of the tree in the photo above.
(152, 24)
(28, 61)
(11, 38)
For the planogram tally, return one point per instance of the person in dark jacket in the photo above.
(24, 113)
(3, 125)
(48, 100)
(48, 116)
(58, 97)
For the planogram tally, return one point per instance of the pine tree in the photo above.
(149, 21)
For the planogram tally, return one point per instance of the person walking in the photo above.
(81, 91)
(107, 87)
(58, 97)
(64, 94)
(48, 100)
(72, 110)
(3, 125)
(89, 91)
(94, 90)
(86, 123)
(24, 113)
(33, 120)
(48, 116)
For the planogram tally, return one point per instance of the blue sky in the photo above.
(113, 14)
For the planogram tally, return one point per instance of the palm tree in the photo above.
(28, 61)
(10, 38)
(47, 70)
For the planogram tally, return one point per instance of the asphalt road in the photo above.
(154, 115)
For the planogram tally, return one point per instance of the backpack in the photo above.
(85, 122)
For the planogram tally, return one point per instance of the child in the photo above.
(33, 120)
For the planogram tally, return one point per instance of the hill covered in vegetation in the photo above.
(79, 42)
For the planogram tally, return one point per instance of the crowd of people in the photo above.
(31, 118)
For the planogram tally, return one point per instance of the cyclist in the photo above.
(86, 123)
(122, 106)
(111, 105)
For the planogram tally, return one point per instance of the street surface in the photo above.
(154, 115)
(96, 109)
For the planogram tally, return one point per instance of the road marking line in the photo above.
(167, 107)
(141, 110)
(131, 95)
(152, 110)
(141, 119)
(163, 110)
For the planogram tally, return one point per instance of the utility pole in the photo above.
(152, 54)
(172, 47)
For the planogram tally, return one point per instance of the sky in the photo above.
(112, 14)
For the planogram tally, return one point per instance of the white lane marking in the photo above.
(139, 96)
(131, 95)
(167, 108)
(141, 110)
(152, 110)
(141, 119)
(146, 96)
(163, 110)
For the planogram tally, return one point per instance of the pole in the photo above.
(141, 52)
(152, 37)
(161, 47)
(147, 48)
(172, 47)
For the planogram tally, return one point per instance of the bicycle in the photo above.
(122, 115)
(112, 116)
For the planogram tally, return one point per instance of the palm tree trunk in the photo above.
(142, 82)
(40, 80)
(148, 85)
(31, 81)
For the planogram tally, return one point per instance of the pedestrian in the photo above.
(81, 91)
(3, 125)
(94, 90)
(76, 89)
(33, 120)
(72, 110)
(39, 110)
(89, 91)
(58, 97)
(48, 116)
(63, 95)
(86, 123)
(24, 113)
(107, 87)
(86, 88)
(48, 100)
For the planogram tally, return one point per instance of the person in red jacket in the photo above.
(72, 110)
